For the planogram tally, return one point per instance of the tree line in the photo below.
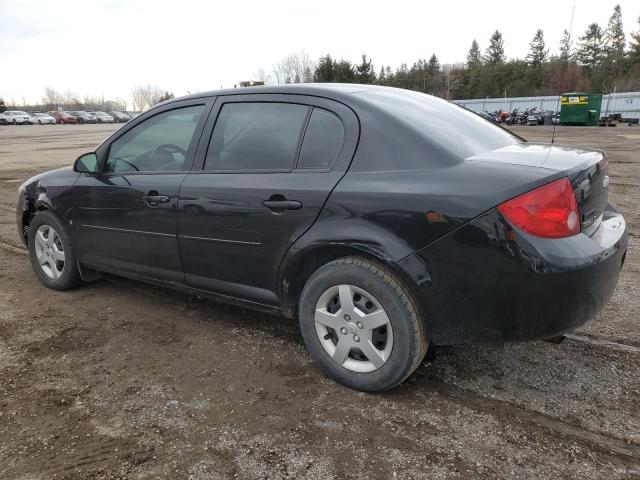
(142, 97)
(599, 60)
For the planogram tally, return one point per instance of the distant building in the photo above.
(250, 83)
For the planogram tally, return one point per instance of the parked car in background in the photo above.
(3, 119)
(18, 117)
(84, 117)
(120, 117)
(384, 219)
(102, 117)
(63, 117)
(42, 118)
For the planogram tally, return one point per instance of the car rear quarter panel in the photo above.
(489, 282)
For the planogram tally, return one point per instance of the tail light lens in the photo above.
(550, 211)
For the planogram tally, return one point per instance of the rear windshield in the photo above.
(457, 129)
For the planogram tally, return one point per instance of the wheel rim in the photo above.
(49, 252)
(353, 328)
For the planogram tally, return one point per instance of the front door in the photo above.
(270, 165)
(124, 218)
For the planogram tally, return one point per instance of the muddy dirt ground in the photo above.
(121, 380)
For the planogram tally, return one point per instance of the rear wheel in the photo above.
(361, 324)
(51, 254)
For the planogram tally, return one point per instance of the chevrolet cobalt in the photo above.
(384, 220)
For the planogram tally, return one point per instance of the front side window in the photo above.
(322, 140)
(256, 136)
(159, 144)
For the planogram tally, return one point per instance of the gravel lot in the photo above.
(122, 380)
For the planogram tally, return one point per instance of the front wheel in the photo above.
(361, 324)
(51, 254)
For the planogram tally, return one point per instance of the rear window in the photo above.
(458, 130)
(322, 141)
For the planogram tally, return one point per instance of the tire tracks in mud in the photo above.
(90, 455)
(617, 449)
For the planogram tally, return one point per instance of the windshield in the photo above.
(457, 129)
(19, 113)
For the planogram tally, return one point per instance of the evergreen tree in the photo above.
(474, 57)
(165, 96)
(634, 51)
(3, 107)
(307, 76)
(495, 52)
(325, 71)
(433, 67)
(364, 71)
(537, 51)
(382, 78)
(615, 39)
(591, 46)
(344, 72)
(566, 48)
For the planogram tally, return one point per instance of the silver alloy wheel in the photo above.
(49, 251)
(353, 328)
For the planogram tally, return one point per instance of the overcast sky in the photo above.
(105, 47)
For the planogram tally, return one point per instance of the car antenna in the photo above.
(564, 80)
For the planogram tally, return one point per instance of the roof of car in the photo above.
(330, 90)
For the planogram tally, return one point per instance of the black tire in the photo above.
(70, 276)
(409, 330)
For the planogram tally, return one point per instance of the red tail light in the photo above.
(550, 211)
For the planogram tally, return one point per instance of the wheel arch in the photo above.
(297, 268)
(30, 208)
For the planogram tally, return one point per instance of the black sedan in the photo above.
(120, 117)
(384, 220)
(84, 117)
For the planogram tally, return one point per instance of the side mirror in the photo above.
(87, 163)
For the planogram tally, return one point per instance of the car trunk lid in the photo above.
(587, 170)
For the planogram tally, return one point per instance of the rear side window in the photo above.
(322, 141)
(256, 136)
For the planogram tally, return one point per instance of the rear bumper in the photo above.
(489, 282)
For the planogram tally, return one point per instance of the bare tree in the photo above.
(71, 100)
(450, 78)
(262, 75)
(145, 96)
(51, 97)
(293, 68)
(121, 103)
(94, 102)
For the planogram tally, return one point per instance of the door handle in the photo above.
(282, 204)
(154, 200)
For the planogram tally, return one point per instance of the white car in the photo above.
(102, 117)
(42, 119)
(16, 117)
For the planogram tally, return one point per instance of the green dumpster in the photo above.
(580, 108)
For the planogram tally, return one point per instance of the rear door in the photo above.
(125, 218)
(265, 172)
